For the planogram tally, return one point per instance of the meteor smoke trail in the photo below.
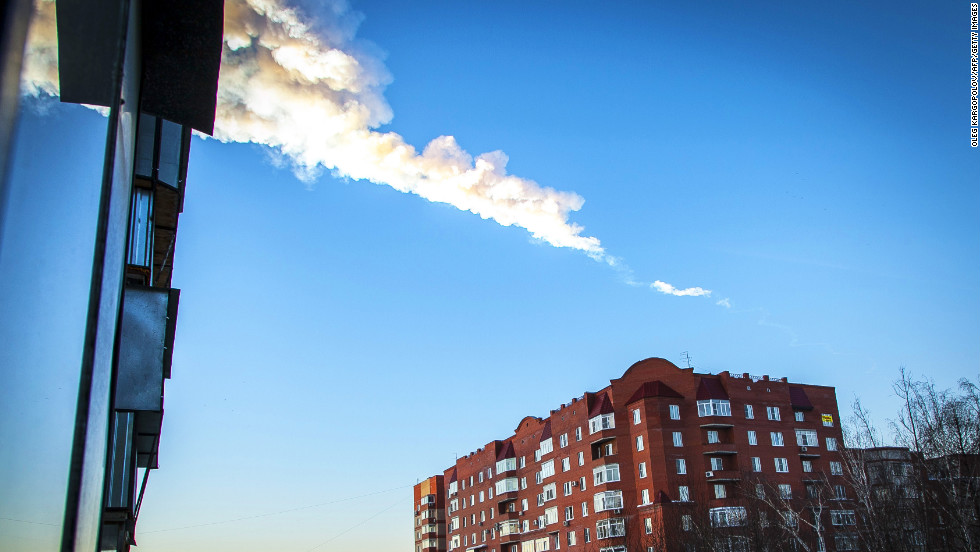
(309, 94)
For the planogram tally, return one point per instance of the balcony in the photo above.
(720, 449)
(145, 352)
(723, 475)
(716, 422)
(809, 452)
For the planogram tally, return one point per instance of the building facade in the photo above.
(664, 458)
(430, 515)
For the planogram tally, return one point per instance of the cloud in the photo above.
(664, 287)
(724, 303)
(312, 93)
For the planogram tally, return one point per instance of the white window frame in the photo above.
(782, 465)
(607, 500)
(772, 413)
(753, 439)
(749, 412)
(601, 422)
(675, 411)
(681, 465)
(636, 416)
(639, 443)
(798, 415)
(683, 494)
(776, 437)
(756, 464)
(610, 528)
(678, 438)
(714, 407)
(807, 438)
(606, 473)
(642, 469)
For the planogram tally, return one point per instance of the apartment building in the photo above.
(430, 515)
(664, 458)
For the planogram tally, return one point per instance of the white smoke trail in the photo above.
(308, 93)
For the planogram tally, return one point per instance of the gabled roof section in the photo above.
(452, 478)
(798, 398)
(506, 451)
(601, 405)
(661, 498)
(711, 388)
(546, 431)
(655, 388)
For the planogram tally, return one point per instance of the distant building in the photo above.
(659, 459)
(430, 515)
(911, 503)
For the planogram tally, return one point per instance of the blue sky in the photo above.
(338, 338)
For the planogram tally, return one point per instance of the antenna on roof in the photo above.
(686, 359)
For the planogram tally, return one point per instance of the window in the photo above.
(836, 468)
(548, 491)
(831, 443)
(752, 438)
(785, 491)
(546, 446)
(607, 528)
(581, 458)
(642, 469)
(683, 494)
(566, 464)
(506, 485)
(806, 438)
(608, 500)
(789, 518)
(639, 443)
(648, 525)
(681, 465)
(798, 416)
(571, 538)
(720, 490)
(782, 465)
(522, 463)
(523, 504)
(601, 422)
(756, 464)
(731, 516)
(840, 493)
(636, 416)
(807, 466)
(714, 407)
(717, 463)
(749, 414)
(481, 477)
(563, 440)
(547, 469)
(686, 522)
(827, 419)
(605, 474)
(777, 438)
(760, 491)
(581, 483)
(523, 482)
(569, 512)
(713, 436)
(481, 496)
(587, 539)
(845, 541)
(678, 439)
(578, 433)
(507, 464)
(842, 517)
(772, 412)
(585, 509)
(607, 449)
(567, 487)
(551, 515)
(675, 412)
(645, 496)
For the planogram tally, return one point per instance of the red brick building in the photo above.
(662, 459)
(430, 515)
